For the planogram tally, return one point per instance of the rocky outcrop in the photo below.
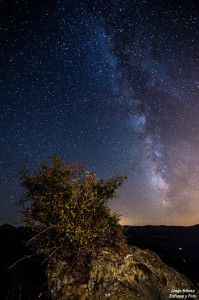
(139, 275)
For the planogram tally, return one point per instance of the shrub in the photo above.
(66, 208)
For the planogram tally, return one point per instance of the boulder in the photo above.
(139, 275)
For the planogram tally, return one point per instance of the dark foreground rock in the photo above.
(139, 275)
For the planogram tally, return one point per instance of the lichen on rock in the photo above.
(139, 275)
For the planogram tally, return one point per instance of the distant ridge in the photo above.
(161, 226)
(196, 226)
(11, 227)
(7, 227)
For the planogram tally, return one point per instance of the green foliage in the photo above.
(66, 207)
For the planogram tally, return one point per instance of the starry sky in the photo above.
(112, 83)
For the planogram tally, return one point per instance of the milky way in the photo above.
(112, 83)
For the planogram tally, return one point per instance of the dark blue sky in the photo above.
(112, 83)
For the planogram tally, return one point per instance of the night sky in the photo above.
(114, 84)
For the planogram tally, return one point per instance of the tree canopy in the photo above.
(66, 208)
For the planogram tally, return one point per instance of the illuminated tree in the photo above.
(66, 208)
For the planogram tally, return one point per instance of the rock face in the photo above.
(139, 275)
